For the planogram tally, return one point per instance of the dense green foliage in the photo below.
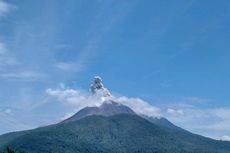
(5, 138)
(114, 134)
(9, 150)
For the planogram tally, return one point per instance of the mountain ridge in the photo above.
(120, 133)
(110, 107)
(111, 127)
(107, 108)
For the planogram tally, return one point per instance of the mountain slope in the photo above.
(108, 108)
(124, 133)
(162, 122)
(5, 138)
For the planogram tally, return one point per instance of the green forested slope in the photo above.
(114, 134)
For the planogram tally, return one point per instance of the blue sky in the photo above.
(171, 54)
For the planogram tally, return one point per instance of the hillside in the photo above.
(107, 108)
(123, 133)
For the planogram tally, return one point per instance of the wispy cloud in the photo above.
(95, 35)
(211, 122)
(75, 98)
(23, 75)
(3, 49)
(10, 122)
(8, 111)
(5, 8)
(5, 57)
(140, 106)
(175, 112)
(79, 100)
(70, 66)
(8, 60)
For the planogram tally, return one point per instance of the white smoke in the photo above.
(79, 100)
(139, 106)
(98, 88)
(75, 98)
(211, 121)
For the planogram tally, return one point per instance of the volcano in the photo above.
(111, 128)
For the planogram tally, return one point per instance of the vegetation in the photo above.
(9, 150)
(114, 134)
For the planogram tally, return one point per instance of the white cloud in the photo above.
(68, 115)
(24, 75)
(8, 111)
(139, 106)
(222, 115)
(79, 100)
(225, 138)
(75, 98)
(5, 8)
(175, 112)
(212, 119)
(70, 66)
(210, 122)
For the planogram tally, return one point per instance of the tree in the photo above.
(9, 150)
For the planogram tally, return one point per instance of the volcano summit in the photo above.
(111, 127)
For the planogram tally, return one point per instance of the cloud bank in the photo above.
(79, 100)
(75, 98)
(140, 106)
(210, 122)
(225, 138)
